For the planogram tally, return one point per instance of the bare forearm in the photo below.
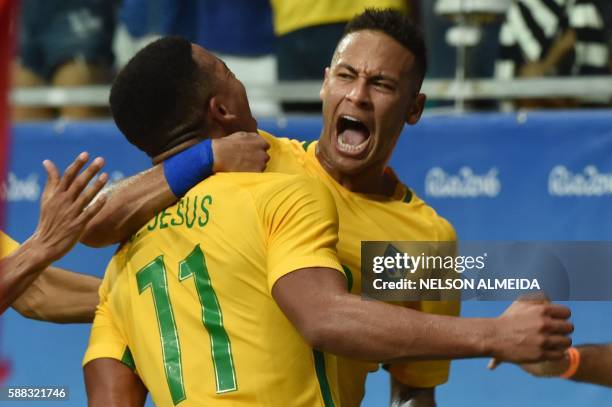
(60, 296)
(330, 319)
(595, 365)
(130, 204)
(19, 270)
(374, 331)
(134, 201)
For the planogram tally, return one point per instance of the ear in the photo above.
(219, 111)
(416, 109)
(325, 79)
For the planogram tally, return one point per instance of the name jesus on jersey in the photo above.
(190, 211)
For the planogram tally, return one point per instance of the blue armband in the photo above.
(187, 168)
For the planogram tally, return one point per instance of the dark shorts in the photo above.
(53, 32)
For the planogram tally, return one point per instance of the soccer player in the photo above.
(246, 240)
(202, 271)
(53, 294)
(385, 209)
(371, 90)
(26, 281)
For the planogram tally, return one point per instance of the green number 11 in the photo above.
(153, 276)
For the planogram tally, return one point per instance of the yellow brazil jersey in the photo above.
(291, 15)
(405, 217)
(190, 295)
(7, 245)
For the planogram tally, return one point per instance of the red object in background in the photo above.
(8, 12)
(5, 369)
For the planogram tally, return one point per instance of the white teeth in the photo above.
(351, 118)
(350, 148)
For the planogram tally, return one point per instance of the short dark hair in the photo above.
(158, 98)
(396, 25)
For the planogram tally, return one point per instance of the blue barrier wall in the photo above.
(536, 176)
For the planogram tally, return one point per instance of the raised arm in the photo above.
(334, 321)
(63, 215)
(135, 200)
(130, 204)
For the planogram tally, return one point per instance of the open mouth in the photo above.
(352, 135)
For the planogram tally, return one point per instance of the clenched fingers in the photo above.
(558, 311)
(559, 326)
(262, 142)
(558, 342)
(553, 355)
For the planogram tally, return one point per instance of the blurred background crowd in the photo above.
(75, 43)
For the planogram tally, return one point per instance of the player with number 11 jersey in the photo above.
(190, 295)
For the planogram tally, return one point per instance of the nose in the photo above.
(359, 94)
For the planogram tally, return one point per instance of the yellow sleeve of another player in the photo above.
(430, 373)
(301, 224)
(7, 245)
(106, 340)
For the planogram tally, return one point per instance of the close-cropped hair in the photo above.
(159, 98)
(396, 25)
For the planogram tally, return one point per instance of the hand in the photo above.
(240, 152)
(549, 368)
(531, 331)
(63, 210)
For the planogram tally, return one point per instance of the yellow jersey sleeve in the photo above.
(300, 225)
(7, 245)
(106, 340)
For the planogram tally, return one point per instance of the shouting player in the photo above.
(370, 91)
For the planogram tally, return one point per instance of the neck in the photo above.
(213, 132)
(372, 181)
(174, 150)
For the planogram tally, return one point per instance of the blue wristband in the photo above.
(187, 168)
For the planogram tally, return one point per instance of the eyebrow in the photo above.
(374, 77)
